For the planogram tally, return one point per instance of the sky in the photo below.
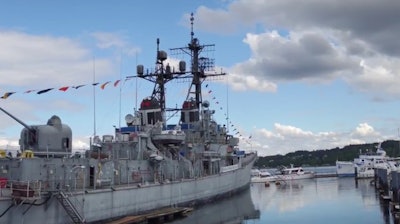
(300, 75)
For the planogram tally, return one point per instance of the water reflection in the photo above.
(321, 200)
(371, 196)
(235, 209)
(266, 198)
(327, 200)
(368, 193)
(385, 209)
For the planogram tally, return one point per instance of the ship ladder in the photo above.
(70, 208)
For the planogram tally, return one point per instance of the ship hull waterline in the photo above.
(119, 201)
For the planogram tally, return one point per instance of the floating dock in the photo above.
(158, 216)
(323, 175)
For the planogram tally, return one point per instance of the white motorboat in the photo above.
(261, 176)
(294, 173)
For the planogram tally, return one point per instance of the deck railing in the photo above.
(25, 189)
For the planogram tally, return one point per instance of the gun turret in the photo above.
(53, 137)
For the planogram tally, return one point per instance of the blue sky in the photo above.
(301, 76)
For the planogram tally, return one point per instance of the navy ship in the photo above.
(145, 166)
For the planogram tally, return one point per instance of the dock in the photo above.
(323, 175)
(387, 184)
(157, 216)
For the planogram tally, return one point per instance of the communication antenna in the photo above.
(136, 85)
(94, 96)
(120, 89)
(227, 104)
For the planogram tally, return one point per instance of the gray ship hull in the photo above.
(119, 201)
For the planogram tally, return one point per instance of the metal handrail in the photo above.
(26, 189)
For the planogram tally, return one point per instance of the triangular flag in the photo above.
(29, 91)
(6, 95)
(104, 85)
(65, 88)
(116, 83)
(95, 84)
(44, 91)
(77, 87)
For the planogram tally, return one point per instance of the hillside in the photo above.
(326, 157)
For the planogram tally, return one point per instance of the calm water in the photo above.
(321, 200)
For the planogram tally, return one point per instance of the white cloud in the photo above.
(43, 61)
(240, 82)
(290, 131)
(119, 42)
(316, 41)
(363, 130)
(286, 138)
(80, 144)
(269, 134)
(8, 143)
(108, 40)
(213, 20)
(379, 76)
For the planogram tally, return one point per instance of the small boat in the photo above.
(294, 173)
(261, 176)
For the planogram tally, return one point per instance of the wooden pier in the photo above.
(158, 216)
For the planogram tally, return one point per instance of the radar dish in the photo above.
(129, 118)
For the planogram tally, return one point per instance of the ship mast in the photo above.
(164, 73)
(159, 77)
(195, 48)
(199, 66)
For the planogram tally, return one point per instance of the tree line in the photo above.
(327, 157)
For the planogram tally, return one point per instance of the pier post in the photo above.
(382, 182)
(395, 186)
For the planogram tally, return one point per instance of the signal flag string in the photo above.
(6, 95)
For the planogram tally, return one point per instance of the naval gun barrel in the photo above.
(18, 120)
